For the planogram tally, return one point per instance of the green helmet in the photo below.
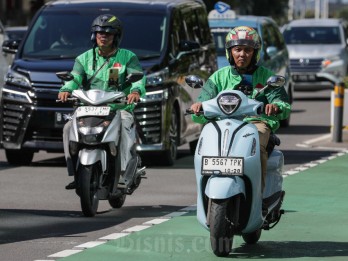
(243, 35)
(109, 24)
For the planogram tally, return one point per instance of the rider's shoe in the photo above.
(71, 185)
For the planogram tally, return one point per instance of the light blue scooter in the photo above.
(228, 170)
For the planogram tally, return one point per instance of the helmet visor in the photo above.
(246, 42)
(105, 29)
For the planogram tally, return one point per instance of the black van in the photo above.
(171, 38)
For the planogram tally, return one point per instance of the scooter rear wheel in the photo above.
(221, 236)
(88, 188)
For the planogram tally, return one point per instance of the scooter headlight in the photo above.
(228, 103)
(89, 130)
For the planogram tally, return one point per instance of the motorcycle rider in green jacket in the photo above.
(92, 70)
(243, 52)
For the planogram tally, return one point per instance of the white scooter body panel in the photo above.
(110, 135)
(89, 157)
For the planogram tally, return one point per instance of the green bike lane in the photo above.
(314, 227)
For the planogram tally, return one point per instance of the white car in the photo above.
(316, 46)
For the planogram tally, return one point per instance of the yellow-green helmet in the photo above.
(243, 35)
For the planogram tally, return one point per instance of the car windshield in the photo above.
(312, 35)
(63, 34)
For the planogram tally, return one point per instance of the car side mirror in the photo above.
(194, 81)
(186, 47)
(10, 46)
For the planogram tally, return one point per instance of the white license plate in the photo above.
(222, 165)
(92, 111)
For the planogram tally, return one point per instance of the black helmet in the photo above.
(109, 24)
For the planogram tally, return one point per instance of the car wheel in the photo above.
(170, 155)
(19, 157)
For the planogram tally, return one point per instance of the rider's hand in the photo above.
(133, 97)
(271, 109)
(196, 107)
(63, 96)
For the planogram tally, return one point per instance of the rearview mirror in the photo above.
(134, 77)
(276, 81)
(65, 76)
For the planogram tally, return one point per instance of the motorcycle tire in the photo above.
(221, 235)
(118, 202)
(88, 189)
(253, 237)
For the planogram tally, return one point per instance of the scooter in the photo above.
(94, 141)
(228, 170)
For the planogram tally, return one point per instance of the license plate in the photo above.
(61, 118)
(92, 111)
(223, 166)
(304, 77)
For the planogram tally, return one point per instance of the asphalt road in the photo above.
(40, 218)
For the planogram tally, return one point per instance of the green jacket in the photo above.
(228, 78)
(83, 71)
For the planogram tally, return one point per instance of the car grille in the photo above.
(148, 118)
(14, 120)
(305, 65)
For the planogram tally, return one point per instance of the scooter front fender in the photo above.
(224, 187)
(91, 156)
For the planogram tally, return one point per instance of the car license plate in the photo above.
(222, 165)
(304, 77)
(61, 118)
(92, 111)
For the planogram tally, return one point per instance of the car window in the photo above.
(204, 32)
(312, 35)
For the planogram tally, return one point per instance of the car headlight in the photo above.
(158, 77)
(17, 79)
(329, 60)
(16, 96)
(228, 103)
(155, 96)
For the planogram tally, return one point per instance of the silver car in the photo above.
(316, 45)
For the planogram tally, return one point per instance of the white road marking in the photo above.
(156, 221)
(135, 228)
(114, 236)
(90, 244)
(65, 253)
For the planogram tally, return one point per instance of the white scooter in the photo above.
(94, 140)
(228, 170)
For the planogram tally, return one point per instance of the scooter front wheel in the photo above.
(118, 202)
(88, 188)
(253, 237)
(221, 235)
